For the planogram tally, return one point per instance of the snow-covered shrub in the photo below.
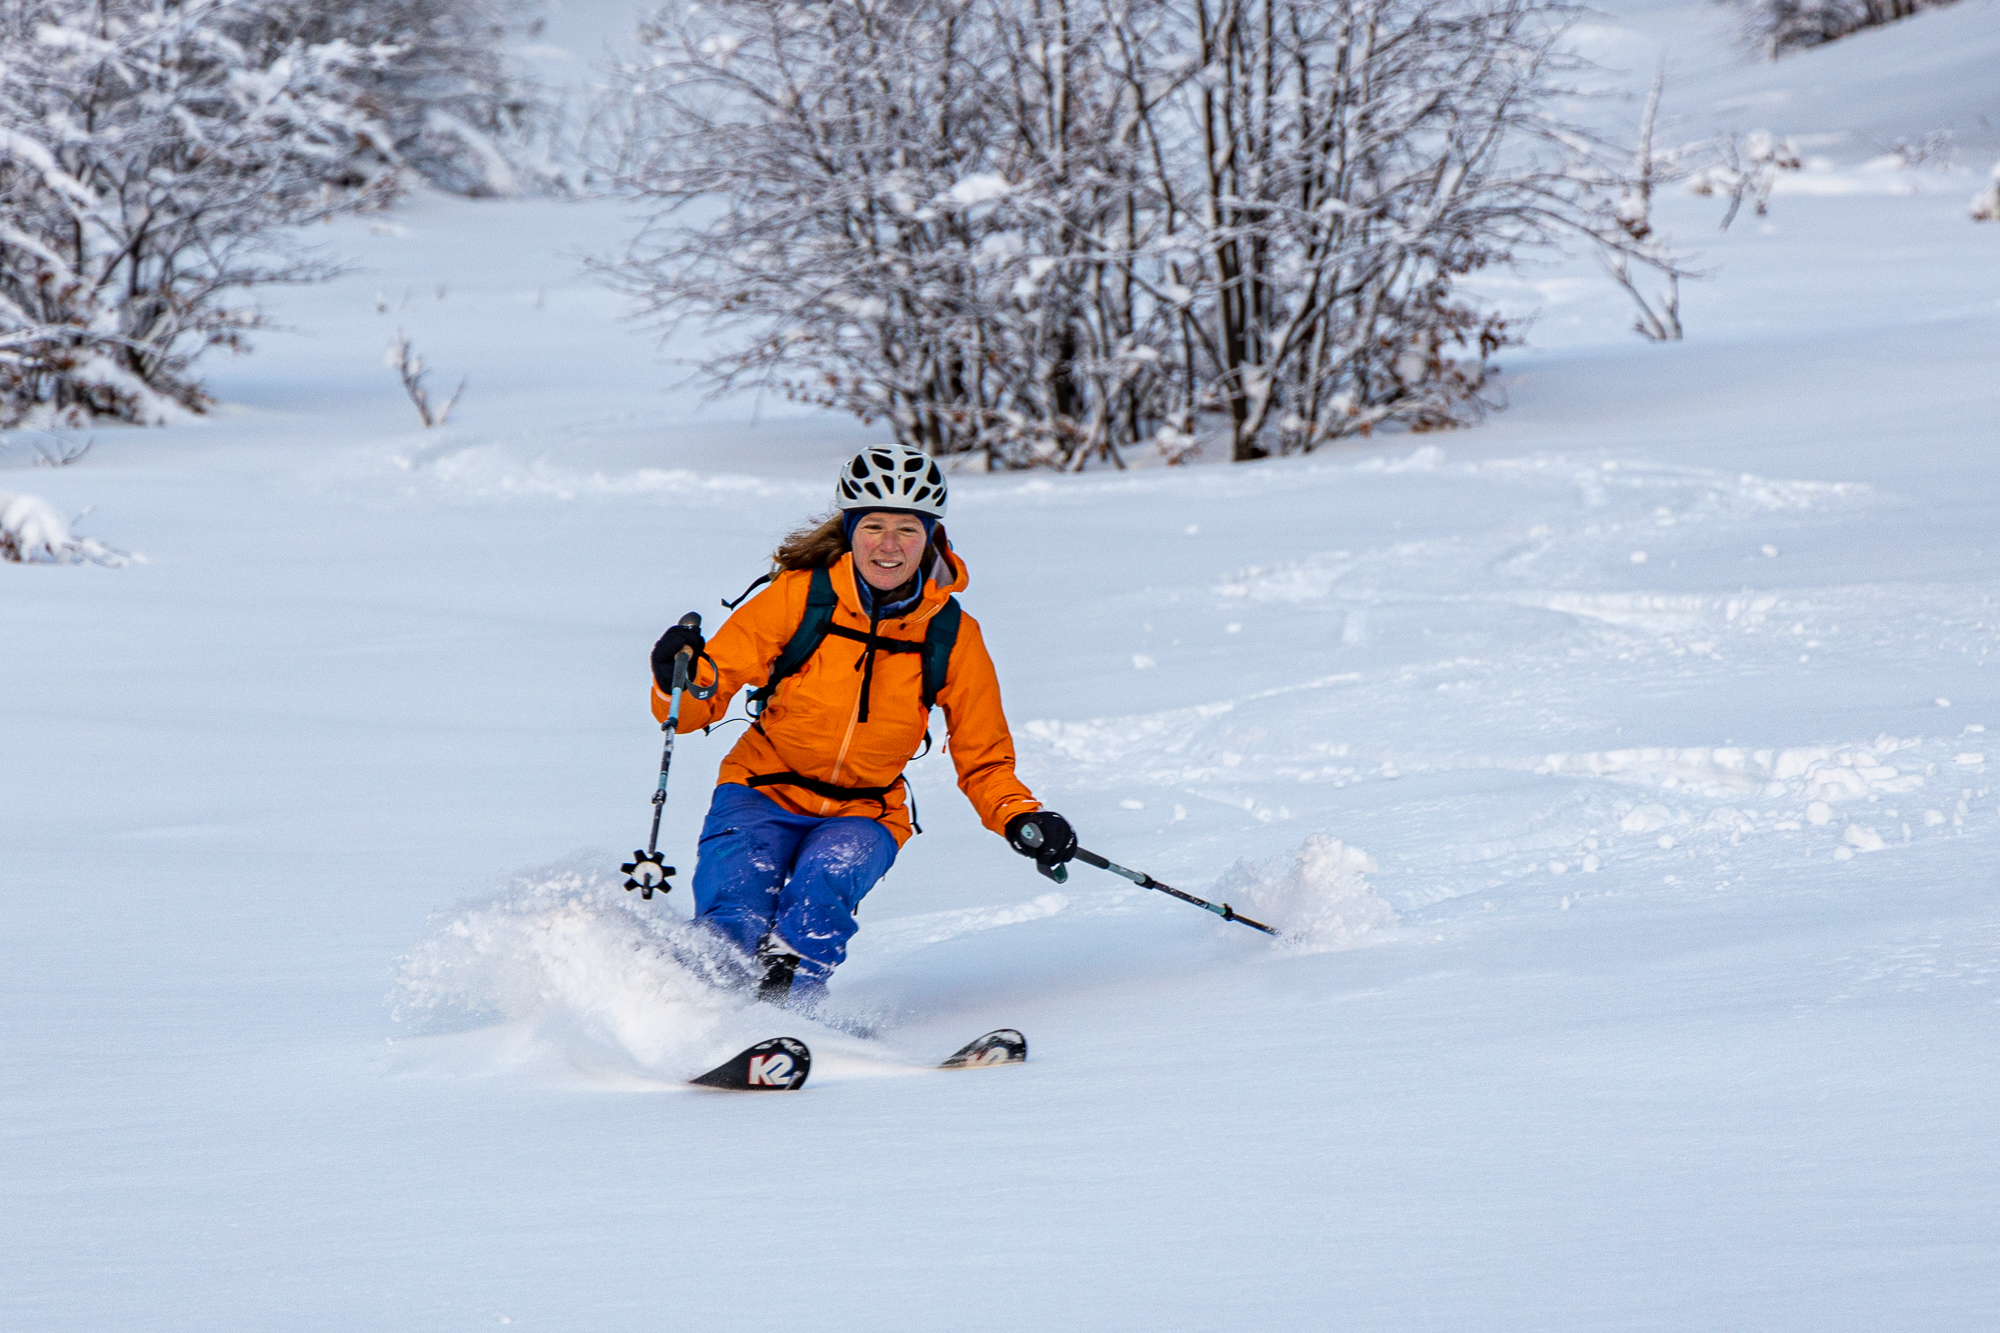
(1339, 167)
(434, 80)
(1318, 898)
(924, 218)
(1778, 26)
(1744, 168)
(151, 165)
(1628, 215)
(1046, 232)
(1986, 204)
(31, 531)
(159, 155)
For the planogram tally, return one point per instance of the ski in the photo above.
(778, 1065)
(1003, 1046)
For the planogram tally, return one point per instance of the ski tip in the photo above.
(777, 1065)
(1002, 1046)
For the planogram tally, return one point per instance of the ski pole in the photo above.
(1145, 881)
(646, 871)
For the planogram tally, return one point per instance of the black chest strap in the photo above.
(940, 637)
(826, 789)
(879, 642)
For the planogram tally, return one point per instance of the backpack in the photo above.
(940, 635)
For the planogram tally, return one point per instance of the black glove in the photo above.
(1044, 835)
(675, 639)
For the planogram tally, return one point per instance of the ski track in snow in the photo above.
(1695, 800)
(1618, 775)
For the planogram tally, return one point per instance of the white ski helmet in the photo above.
(892, 476)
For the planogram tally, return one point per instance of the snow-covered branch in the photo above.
(410, 368)
(1633, 253)
(32, 532)
(1744, 169)
(1986, 204)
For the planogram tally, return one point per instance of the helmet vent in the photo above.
(892, 476)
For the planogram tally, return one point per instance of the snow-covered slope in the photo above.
(1847, 102)
(1622, 769)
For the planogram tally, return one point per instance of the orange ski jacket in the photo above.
(811, 727)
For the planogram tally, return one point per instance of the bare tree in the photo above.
(1090, 330)
(150, 172)
(1338, 167)
(910, 200)
(1048, 230)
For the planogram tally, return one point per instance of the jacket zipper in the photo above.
(854, 714)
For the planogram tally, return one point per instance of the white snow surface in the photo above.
(1640, 937)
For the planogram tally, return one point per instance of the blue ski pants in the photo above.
(763, 869)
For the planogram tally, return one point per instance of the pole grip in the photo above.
(685, 662)
(682, 662)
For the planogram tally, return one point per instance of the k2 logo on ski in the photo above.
(770, 1071)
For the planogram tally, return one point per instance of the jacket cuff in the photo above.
(1007, 809)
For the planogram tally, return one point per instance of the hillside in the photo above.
(1621, 770)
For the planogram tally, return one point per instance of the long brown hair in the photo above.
(821, 543)
(817, 545)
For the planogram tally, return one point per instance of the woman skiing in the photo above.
(845, 652)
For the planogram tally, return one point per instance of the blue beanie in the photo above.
(852, 517)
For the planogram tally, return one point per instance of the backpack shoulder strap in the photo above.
(940, 637)
(744, 596)
(805, 640)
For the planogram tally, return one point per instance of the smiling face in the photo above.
(887, 548)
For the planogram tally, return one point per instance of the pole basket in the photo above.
(646, 872)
